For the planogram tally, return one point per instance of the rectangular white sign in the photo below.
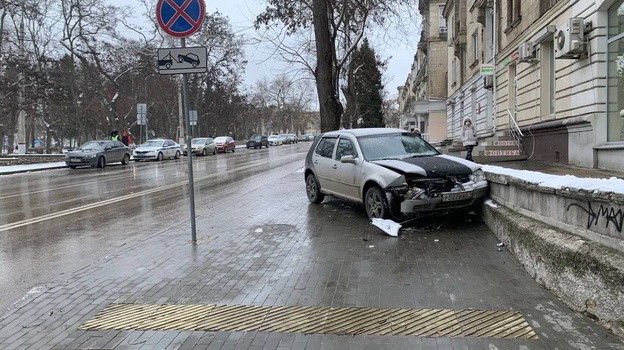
(181, 60)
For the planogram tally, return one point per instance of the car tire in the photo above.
(177, 155)
(204, 153)
(126, 159)
(101, 163)
(313, 190)
(72, 167)
(159, 157)
(233, 149)
(214, 152)
(376, 203)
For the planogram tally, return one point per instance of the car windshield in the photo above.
(394, 146)
(152, 143)
(221, 139)
(273, 137)
(93, 145)
(198, 141)
(255, 137)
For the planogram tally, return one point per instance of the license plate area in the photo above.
(456, 196)
(74, 160)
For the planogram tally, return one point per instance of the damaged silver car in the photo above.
(394, 173)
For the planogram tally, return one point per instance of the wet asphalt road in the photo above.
(55, 222)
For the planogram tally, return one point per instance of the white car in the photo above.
(394, 173)
(157, 149)
(275, 140)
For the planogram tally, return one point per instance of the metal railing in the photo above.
(515, 129)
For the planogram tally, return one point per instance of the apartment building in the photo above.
(549, 71)
(422, 100)
(470, 65)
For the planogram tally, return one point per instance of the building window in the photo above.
(475, 46)
(454, 71)
(546, 5)
(442, 20)
(615, 71)
(547, 78)
(513, 12)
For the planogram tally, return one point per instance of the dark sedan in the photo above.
(98, 153)
(257, 140)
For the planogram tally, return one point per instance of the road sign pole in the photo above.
(189, 152)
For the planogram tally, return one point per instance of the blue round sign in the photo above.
(180, 18)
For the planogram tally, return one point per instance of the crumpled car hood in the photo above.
(430, 166)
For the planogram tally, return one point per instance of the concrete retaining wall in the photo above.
(31, 159)
(569, 240)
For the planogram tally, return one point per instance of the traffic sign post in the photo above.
(181, 18)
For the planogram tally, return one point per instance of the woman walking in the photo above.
(468, 137)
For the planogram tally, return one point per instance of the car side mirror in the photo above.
(348, 159)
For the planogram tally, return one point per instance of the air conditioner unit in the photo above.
(570, 39)
(527, 52)
(443, 30)
(488, 82)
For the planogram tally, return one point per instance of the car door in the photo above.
(346, 175)
(119, 151)
(169, 148)
(323, 162)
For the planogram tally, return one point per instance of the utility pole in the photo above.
(21, 117)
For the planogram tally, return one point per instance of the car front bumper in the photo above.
(81, 161)
(140, 156)
(446, 201)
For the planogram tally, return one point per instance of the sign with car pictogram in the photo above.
(181, 60)
(180, 18)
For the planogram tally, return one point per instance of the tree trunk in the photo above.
(330, 107)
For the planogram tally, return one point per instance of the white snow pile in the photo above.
(613, 184)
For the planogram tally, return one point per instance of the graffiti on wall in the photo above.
(601, 214)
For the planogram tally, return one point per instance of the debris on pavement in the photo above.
(388, 226)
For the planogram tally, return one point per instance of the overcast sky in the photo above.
(242, 14)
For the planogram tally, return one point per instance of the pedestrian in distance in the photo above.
(115, 135)
(468, 137)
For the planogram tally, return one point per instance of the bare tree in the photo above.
(338, 27)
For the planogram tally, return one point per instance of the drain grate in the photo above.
(315, 319)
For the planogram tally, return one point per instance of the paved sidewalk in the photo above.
(292, 253)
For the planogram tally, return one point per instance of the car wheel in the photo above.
(159, 157)
(204, 153)
(313, 190)
(101, 163)
(177, 155)
(126, 159)
(72, 166)
(214, 152)
(376, 203)
(233, 149)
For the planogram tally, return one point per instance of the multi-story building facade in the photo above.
(470, 48)
(558, 70)
(422, 98)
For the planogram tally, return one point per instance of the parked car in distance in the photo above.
(258, 140)
(98, 153)
(157, 149)
(393, 173)
(225, 144)
(274, 140)
(303, 138)
(293, 138)
(285, 139)
(201, 146)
